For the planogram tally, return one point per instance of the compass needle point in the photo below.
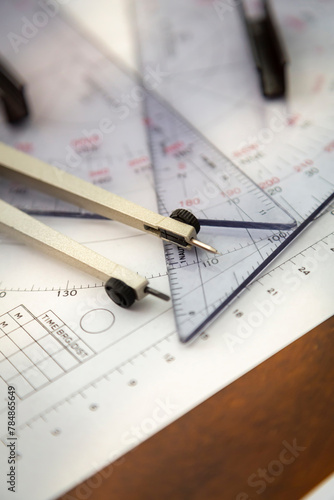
(203, 246)
(157, 294)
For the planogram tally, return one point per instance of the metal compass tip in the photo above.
(203, 246)
(156, 293)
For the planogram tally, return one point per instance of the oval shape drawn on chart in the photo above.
(97, 321)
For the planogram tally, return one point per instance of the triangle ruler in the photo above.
(208, 75)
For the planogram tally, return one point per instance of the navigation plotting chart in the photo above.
(107, 403)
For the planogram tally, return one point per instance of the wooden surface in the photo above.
(219, 449)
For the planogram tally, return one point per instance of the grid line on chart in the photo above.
(36, 350)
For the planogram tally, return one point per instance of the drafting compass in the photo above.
(122, 285)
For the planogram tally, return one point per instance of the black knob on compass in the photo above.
(121, 293)
(187, 217)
